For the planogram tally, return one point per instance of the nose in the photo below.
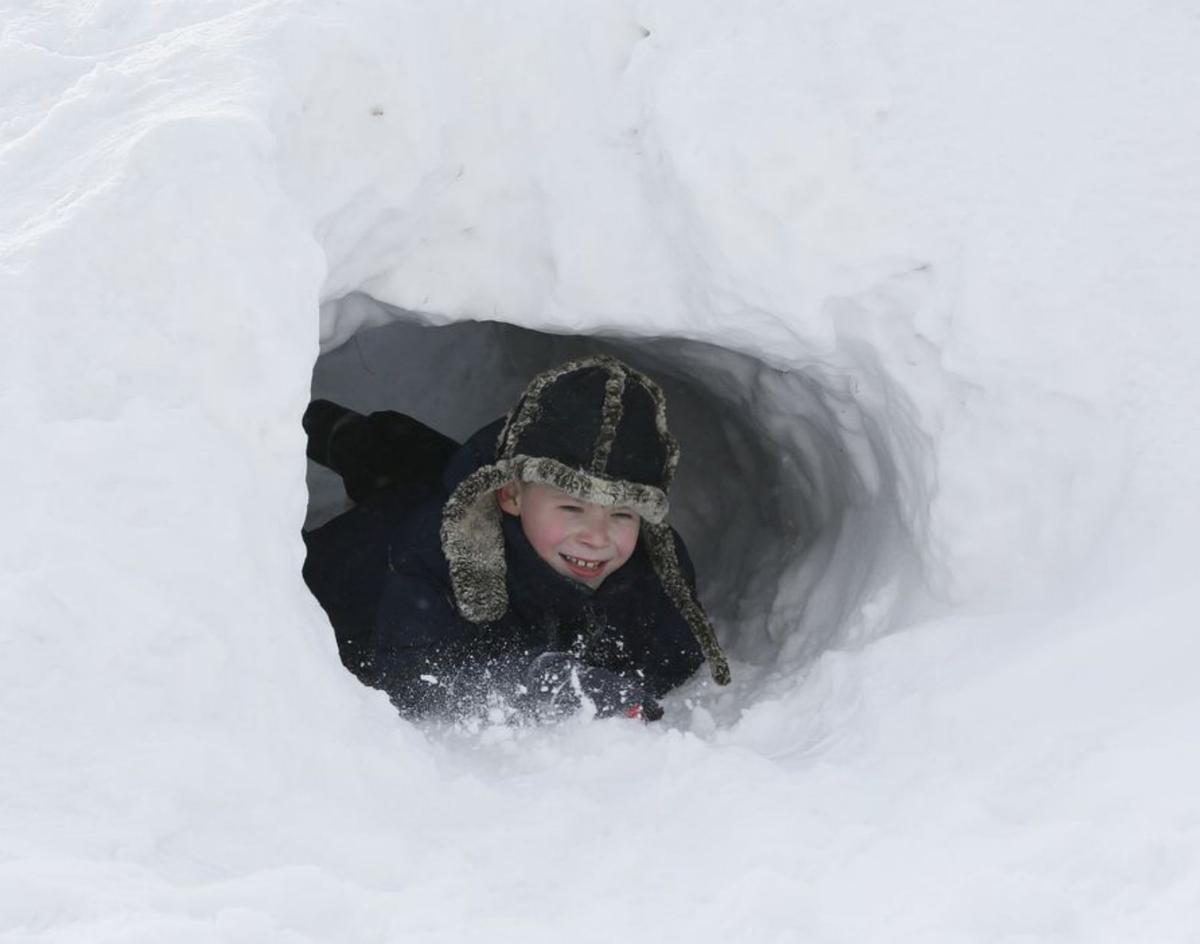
(594, 530)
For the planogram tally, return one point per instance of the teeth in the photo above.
(590, 565)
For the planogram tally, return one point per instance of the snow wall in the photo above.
(921, 286)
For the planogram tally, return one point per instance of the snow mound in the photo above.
(922, 285)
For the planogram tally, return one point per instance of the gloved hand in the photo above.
(557, 684)
(377, 451)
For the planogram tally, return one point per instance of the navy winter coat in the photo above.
(380, 573)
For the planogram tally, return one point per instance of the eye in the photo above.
(569, 508)
(624, 515)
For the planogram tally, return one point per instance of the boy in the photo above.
(538, 568)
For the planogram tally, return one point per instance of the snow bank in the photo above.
(932, 268)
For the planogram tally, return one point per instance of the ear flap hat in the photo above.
(597, 430)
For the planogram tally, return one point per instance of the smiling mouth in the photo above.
(583, 568)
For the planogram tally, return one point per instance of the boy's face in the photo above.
(580, 540)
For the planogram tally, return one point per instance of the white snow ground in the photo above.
(953, 247)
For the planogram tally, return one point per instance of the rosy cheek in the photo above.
(626, 538)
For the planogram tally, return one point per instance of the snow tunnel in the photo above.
(800, 493)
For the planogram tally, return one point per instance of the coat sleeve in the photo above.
(422, 651)
(432, 662)
(428, 657)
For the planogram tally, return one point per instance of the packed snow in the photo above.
(921, 286)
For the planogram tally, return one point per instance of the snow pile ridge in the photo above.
(923, 280)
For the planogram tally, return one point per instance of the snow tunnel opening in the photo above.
(801, 505)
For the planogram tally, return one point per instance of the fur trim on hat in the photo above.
(610, 418)
(660, 422)
(473, 542)
(660, 544)
(649, 502)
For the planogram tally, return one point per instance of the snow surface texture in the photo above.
(935, 271)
